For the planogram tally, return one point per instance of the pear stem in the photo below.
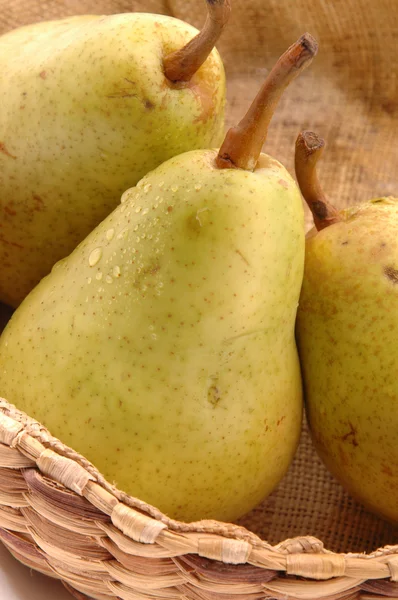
(182, 64)
(309, 148)
(242, 145)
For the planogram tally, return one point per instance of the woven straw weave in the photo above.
(105, 544)
(349, 96)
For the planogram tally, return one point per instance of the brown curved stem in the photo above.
(182, 64)
(243, 143)
(309, 148)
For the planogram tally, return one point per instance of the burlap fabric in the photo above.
(349, 96)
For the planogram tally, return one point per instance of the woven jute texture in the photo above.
(349, 96)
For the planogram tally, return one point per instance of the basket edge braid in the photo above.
(321, 573)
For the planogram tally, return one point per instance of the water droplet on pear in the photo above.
(95, 257)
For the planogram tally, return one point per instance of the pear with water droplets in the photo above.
(347, 330)
(89, 105)
(163, 347)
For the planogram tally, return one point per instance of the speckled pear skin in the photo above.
(86, 112)
(347, 329)
(163, 347)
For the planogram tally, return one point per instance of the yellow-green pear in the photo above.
(347, 330)
(89, 105)
(163, 347)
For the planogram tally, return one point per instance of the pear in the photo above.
(163, 347)
(89, 105)
(347, 328)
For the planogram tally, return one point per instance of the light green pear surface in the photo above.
(86, 112)
(347, 331)
(163, 347)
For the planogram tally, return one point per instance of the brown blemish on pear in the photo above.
(387, 470)
(10, 211)
(4, 150)
(214, 394)
(243, 257)
(39, 204)
(392, 274)
(149, 105)
(351, 436)
(9, 243)
(150, 270)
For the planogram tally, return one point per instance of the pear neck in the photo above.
(309, 149)
(180, 66)
(243, 143)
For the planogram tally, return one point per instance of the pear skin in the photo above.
(163, 347)
(347, 326)
(86, 112)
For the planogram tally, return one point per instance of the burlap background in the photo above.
(349, 96)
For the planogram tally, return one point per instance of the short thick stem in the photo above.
(243, 143)
(182, 64)
(309, 148)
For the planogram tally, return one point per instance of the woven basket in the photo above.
(58, 515)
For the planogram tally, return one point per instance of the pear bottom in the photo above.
(214, 456)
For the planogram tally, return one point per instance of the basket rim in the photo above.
(136, 520)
